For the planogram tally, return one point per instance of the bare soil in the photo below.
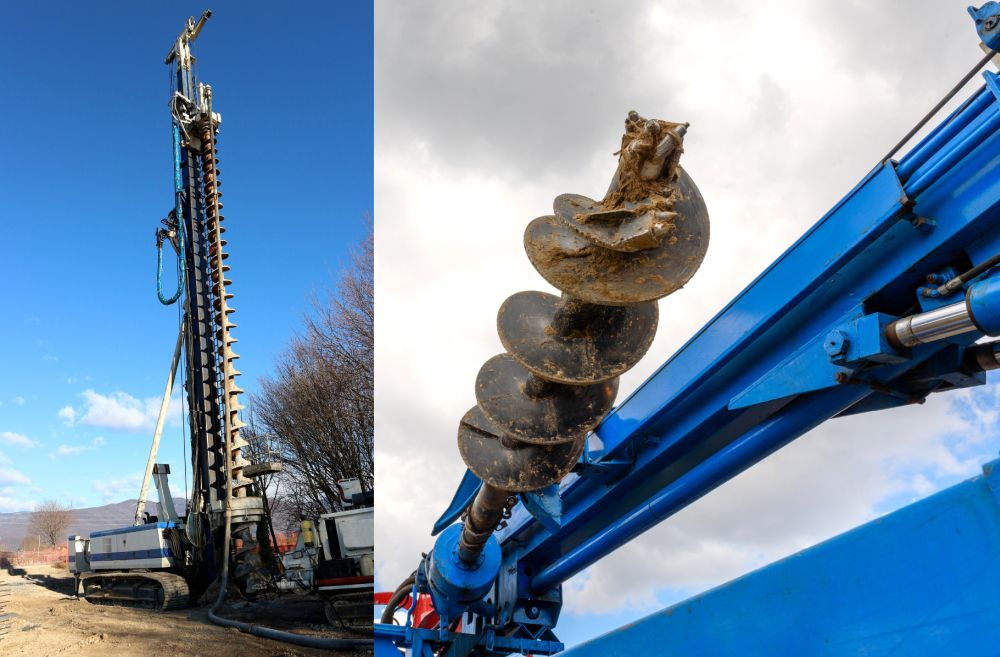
(51, 622)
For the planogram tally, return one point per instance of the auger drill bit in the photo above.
(221, 297)
(612, 260)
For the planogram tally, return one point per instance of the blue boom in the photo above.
(881, 303)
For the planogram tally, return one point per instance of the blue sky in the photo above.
(86, 177)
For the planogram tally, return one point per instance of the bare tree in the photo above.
(50, 521)
(319, 405)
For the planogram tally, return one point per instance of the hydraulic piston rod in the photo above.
(977, 312)
(932, 325)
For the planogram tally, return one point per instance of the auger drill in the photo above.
(168, 560)
(612, 260)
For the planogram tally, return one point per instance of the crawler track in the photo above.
(159, 591)
(5, 617)
(351, 611)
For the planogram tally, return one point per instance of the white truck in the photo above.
(334, 557)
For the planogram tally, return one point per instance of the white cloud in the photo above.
(73, 450)
(12, 476)
(123, 412)
(116, 490)
(16, 439)
(12, 499)
(68, 415)
(479, 124)
(18, 401)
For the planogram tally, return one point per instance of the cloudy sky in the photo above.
(486, 111)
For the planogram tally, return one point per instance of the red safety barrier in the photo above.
(48, 557)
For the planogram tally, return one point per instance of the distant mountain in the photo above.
(14, 526)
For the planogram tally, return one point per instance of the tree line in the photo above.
(316, 412)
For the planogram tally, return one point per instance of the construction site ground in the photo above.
(51, 622)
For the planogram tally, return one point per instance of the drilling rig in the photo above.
(169, 560)
(889, 298)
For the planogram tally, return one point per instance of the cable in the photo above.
(184, 443)
(927, 117)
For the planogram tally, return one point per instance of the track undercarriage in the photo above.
(152, 590)
(351, 611)
(5, 618)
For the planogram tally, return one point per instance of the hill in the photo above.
(14, 526)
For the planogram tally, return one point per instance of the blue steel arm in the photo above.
(919, 582)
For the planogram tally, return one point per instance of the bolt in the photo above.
(842, 377)
(532, 612)
(836, 343)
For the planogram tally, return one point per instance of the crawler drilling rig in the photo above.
(167, 561)
(890, 297)
(171, 561)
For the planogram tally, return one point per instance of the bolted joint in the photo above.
(835, 345)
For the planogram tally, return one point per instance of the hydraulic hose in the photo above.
(964, 278)
(178, 210)
(398, 596)
(267, 632)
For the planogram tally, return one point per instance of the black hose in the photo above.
(267, 632)
(290, 637)
(257, 630)
(398, 596)
(962, 279)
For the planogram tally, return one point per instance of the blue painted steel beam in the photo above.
(870, 253)
(920, 582)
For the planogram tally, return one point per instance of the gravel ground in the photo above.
(51, 622)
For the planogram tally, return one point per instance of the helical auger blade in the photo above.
(612, 259)
(221, 298)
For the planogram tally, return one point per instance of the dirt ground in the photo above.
(51, 622)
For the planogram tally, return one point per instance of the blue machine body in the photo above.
(804, 343)
(920, 581)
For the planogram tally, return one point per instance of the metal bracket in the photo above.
(466, 491)
(546, 506)
(987, 20)
(606, 471)
(825, 361)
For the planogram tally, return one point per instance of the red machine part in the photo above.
(424, 615)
